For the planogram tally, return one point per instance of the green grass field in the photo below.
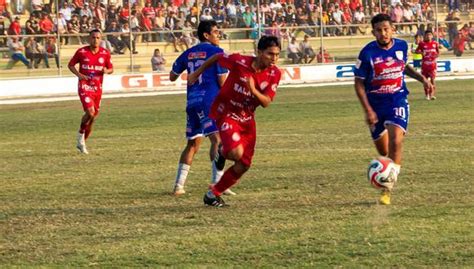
(305, 202)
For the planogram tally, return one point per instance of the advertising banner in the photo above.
(159, 82)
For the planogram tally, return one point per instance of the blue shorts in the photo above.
(394, 111)
(416, 63)
(198, 122)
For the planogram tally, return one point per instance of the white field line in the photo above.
(182, 91)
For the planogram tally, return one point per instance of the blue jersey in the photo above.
(204, 92)
(383, 70)
(384, 80)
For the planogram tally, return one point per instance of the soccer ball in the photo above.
(382, 173)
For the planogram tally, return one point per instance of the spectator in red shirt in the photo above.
(354, 4)
(124, 14)
(146, 26)
(149, 11)
(4, 10)
(46, 25)
(15, 27)
(323, 56)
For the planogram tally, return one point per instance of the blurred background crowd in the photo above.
(60, 23)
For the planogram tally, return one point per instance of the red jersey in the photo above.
(92, 64)
(234, 99)
(430, 52)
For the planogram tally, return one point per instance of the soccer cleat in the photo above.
(81, 143)
(428, 97)
(82, 148)
(178, 190)
(229, 192)
(385, 197)
(216, 201)
(433, 97)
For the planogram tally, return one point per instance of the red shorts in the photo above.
(90, 95)
(428, 72)
(234, 133)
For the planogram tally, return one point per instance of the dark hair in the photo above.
(380, 18)
(205, 27)
(94, 31)
(428, 32)
(267, 42)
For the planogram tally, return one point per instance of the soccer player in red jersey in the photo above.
(252, 82)
(94, 62)
(430, 51)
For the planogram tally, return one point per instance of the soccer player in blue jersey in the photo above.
(380, 86)
(199, 99)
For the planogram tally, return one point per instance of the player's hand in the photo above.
(371, 118)
(251, 85)
(83, 77)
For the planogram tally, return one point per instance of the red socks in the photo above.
(229, 179)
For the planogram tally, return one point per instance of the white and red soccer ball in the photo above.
(382, 173)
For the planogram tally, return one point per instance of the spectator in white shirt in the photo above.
(294, 52)
(158, 62)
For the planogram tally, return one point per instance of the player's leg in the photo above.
(97, 102)
(194, 135)
(433, 91)
(381, 144)
(89, 106)
(396, 135)
(184, 165)
(238, 145)
(229, 179)
(427, 91)
(217, 158)
(396, 124)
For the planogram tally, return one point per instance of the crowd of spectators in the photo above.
(125, 23)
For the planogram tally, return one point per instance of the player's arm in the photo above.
(108, 71)
(179, 66)
(74, 70)
(411, 72)
(173, 76)
(263, 99)
(370, 116)
(192, 78)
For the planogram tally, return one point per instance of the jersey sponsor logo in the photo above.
(197, 55)
(88, 88)
(384, 89)
(237, 104)
(92, 67)
(241, 90)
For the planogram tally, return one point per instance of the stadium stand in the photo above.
(168, 25)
